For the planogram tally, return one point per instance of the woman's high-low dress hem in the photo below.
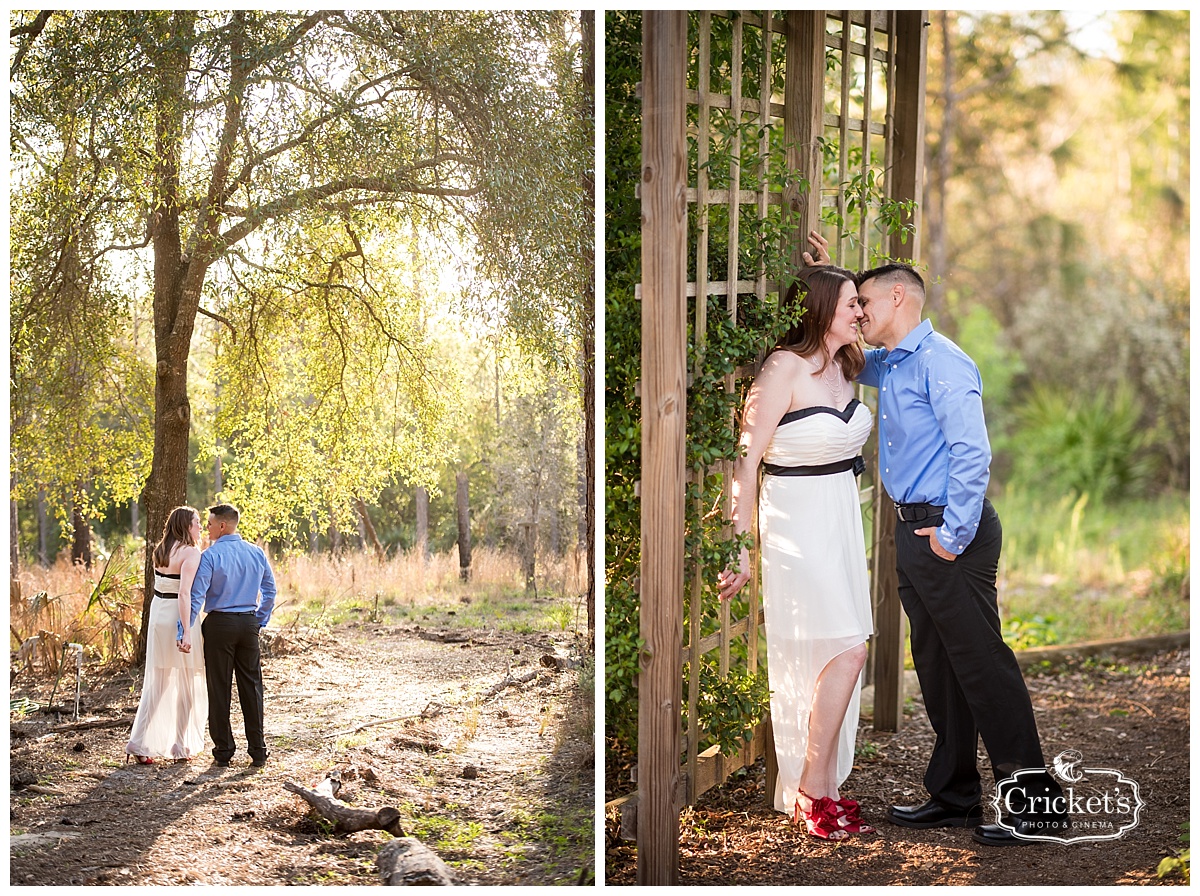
(814, 569)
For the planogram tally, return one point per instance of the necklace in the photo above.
(835, 384)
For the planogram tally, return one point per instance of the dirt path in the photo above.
(1132, 717)
(500, 787)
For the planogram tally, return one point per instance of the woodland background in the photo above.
(331, 267)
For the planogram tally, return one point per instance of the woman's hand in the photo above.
(820, 250)
(185, 643)
(730, 581)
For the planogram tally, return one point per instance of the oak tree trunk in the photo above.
(462, 504)
(422, 502)
(81, 538)
(177, 284)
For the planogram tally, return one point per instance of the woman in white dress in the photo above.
(174, 706)
(802, 422)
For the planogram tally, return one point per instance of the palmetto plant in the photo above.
(1083, 444)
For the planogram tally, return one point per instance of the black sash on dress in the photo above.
(857, 464)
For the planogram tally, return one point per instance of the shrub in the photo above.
(1081, 444)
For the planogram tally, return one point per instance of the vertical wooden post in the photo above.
(908, 135)
(804, 122)
(664, 373)
(908, 142)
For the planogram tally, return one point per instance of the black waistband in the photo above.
(165, 596)
(916, 513)
(857, 464)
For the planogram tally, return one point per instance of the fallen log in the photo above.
(509, 681)
(94, 723)
(1119, 647)
(431, 710)
(347, 819)
(408, 862)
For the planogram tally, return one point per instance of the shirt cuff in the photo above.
(946, 538)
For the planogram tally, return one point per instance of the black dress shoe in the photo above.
(996, 835)
(259, 762)
(933, 814)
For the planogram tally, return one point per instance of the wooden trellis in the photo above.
(859, 116)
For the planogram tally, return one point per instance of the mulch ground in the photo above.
(1132, 717)
(483, 757)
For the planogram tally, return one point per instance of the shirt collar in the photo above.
(913, 340)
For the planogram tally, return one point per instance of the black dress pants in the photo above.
(231, 649)
(969, 677)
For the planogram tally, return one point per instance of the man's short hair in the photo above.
(895, 272)
(226, 513)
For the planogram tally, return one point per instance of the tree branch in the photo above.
(285, 205)
(33, 29)
(217, 317)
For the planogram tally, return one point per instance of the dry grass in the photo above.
(100, 608)
(66, 603)
(326, 589)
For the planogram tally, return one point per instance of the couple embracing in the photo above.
(803, 424)
(189, 667)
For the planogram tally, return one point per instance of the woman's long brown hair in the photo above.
(176, 531)
(820, 301)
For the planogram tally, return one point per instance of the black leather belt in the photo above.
(857, 464)
(915, 513)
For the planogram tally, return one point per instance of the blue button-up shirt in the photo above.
(933, 444)
(231, 575)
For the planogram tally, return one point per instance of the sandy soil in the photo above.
(1134, 718)
(499, 786)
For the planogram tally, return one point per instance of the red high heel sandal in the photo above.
(850, 819)
(821, 819)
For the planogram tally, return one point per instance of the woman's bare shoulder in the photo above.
(184, 552)
(784, 361)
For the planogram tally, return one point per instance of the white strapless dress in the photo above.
(814, 571)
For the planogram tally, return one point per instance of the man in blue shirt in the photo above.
(231, 576)
(934, 455)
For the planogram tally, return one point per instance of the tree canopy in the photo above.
(290, 176)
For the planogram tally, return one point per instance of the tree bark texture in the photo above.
(43, 549)
(462, 502)
(346, 818)
(176, 296)
(422, 501)
(368, 527)
(81, 537)
(14, 531)
(408, 862)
